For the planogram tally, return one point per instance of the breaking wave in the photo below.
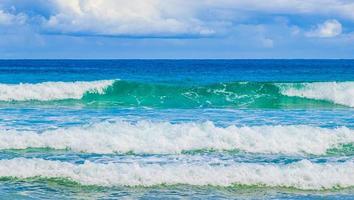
(336, 92)
(167, 138)
(48, 91)
(139, 94)
(302, 175)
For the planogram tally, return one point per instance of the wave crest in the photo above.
(166, 138)
(302, 175)
(138, 94)
(47, 91)
(336, 92)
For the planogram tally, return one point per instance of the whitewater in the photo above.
(301, 175)
(167, 138)
(176, 129)
(48, 91)
(336, 92)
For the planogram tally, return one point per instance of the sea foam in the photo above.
(47, 91)
(336, 92)
(301, 175)
(167, 138)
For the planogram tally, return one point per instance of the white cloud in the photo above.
(178, 17)
(121, 17)
(166, 18)
(10, 19)
(329, 28)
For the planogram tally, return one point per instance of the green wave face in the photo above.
(343, 150)
(238, 94)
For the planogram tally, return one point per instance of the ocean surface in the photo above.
(176, 129)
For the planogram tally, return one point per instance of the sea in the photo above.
(177, 129)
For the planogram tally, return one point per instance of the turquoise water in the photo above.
(176, 129)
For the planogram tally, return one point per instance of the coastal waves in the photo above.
(48, 91)
(138, 94)
(303, 175)
(337, 92)
(167, 138)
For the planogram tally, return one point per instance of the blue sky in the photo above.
(176, 29)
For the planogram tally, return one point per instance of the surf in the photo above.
(337, 92)
(303, 175)
(120, 93)
(168, 138)
(49, 91)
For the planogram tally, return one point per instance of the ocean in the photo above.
(176, 129)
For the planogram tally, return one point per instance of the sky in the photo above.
(175, 29)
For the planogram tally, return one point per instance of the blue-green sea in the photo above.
(176, 129)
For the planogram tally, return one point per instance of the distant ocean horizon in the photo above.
(160, 128)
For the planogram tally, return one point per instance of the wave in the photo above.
(302, 175)
(139, 94)
(167, 138)
(48, 91)
(237, 94)
(340, 93)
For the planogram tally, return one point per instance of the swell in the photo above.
(236, 94)
(166, 138)
(139, 94)
(303, 175)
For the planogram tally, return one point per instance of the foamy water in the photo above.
(166, 138)
(302, 175)
(47, 91)
(336, 92)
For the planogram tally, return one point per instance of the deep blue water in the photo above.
(176, 129)
(177, 71)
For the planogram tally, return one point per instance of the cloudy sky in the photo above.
(176, 28)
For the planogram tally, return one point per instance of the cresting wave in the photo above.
(135, 94)
(302, 175)
(236, 94)
(340, 93)
(167, 138)
(48, 91)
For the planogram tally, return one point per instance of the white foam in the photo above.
(154, 137)
(47, 91)
(337, 92)
(302, 175)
